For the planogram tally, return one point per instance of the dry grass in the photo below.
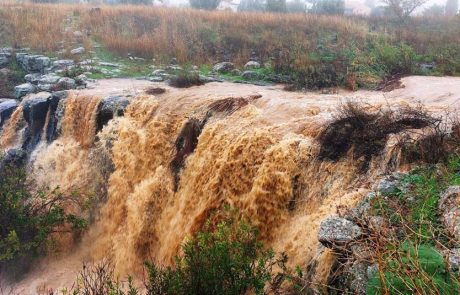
(43, 28)
(211, 36)
(321, 50)
(188, 35)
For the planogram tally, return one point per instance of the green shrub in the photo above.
(227, 260)
(414, 269)
(28, 220)
(12, 77)
(408, 255)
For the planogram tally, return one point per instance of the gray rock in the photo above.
(110, 107)
(336, 232)
(15, 157)
(159, 72)
(250, 75)
(428, 66)
(223, 67)
(23, 89)
(81, 79)
(359, 278)
(63, 63)
(156, 79)
(250, 65)
(4, 60)
(449, 210)
(7, 107)
(362, 209)
(33, 63)
(20, 57)
(49, 79)
(86, 62)
(77, 51)
(207, 79)
(109, 64)
(236, 72)
(33, 78)
(6, 50)
(36, 108)
(389, 184)
(66, 83)
(174, 68)
(453, 259)
(45, 87)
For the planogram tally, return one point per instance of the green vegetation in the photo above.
(28, 221)
(13, 76)
(409, 255)
(185, 78)
(416, 267)
(316, 51)
(225, 259)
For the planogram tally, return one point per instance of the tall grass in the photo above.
(44, 28)
(310, 46)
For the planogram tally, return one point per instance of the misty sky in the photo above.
(357, 5)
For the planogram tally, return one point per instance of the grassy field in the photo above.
(317, 51)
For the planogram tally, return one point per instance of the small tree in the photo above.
(331, 7)
(296, 6)
(402, 9)
(451, 7)
(434, 11)
(226, 260)
(27, 220)
(251, 5)
(276, 5)
(205, 4)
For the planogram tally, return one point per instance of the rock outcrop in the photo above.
(7, 107)
(36, 108)
(449, 210)
(337, 232)
(33, 63)
(250, 65)
(23, 89)
(223, 67)
(109, 108)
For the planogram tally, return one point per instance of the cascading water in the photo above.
(175, 160)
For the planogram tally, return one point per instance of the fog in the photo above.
(358, 6)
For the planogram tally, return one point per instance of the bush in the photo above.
(205, 4)
(155, 90)
(332, 7)
(12, 77)
(227, 260)
(355, 127)
(99, 279)
(185, 79)
(409, 243)
(276, 5)
(27, 220)
(251, 5)
(414, 269)
(296, 6)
